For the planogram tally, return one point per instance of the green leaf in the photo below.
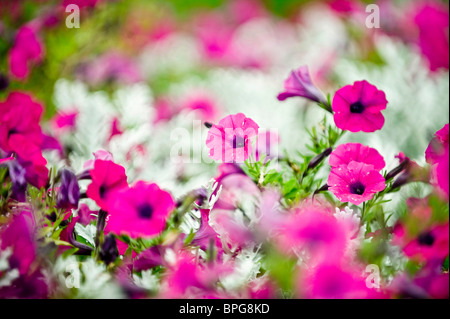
(87, 232)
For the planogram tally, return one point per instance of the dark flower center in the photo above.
(357, 188)
(145, 211)
(11, 132)
(238, 142)
(426, 239)
(102, 191)
(357, 107)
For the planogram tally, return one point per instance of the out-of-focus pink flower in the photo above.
(262, 288)
(81, 3)
(442, 172)
(346, 153)
(165, 110)
(203, 104)
(149, 258)
(235, 189)
(51, 143)
(432, 19)
(214, 35)
(29, 156)
(206, 234)
(355, 182)
(115, 128)
(140, 211)
(431, 243)
(299, 84)
(237, 235)
(345, 7)
(64, 121)
(358, 107)
(315, 231)
(438, 144)
(231, 139)
(26, 52)
(332, 281)
(85, 214)
(112, 66)
(19, 115)
(107, 179)
(437, 154)
(19, 236)
(189, 278)
(246, 10)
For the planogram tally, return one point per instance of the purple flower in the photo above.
(69, 190)
(17, 173)
(299, 83)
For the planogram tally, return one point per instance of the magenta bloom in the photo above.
(112, 66)
(358, 107)
(19, 235)
(230, 140)
(140, 211)
(437, 145)
(27, 50)
(355, 182)
(64, 121)
(316, 231)
(299, 84)
(29, 157)
(203, 104)
(107, 178)
(206, 233)
(432, 21)
(19, 115)
(441, 172)
(346, 153)
(431, 243)
(330, 281)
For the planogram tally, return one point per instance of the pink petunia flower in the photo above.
(431, 243)
(203, 104)
(235, 189)
(112, 66)
(140, 211)
(433, 24)
(358, 107)
(355, 182)
(441, 173)
(206, 234)
(64, 121)
(230, 140)
(438, 144)
(332, 281)
(246, 10)
(232, 232)
(26, 51)
(107, 178)
(19, 115)
(315, 231)
(346, 153)
(299, 84)
(29, 157)
(19, 236)
(189, 278)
